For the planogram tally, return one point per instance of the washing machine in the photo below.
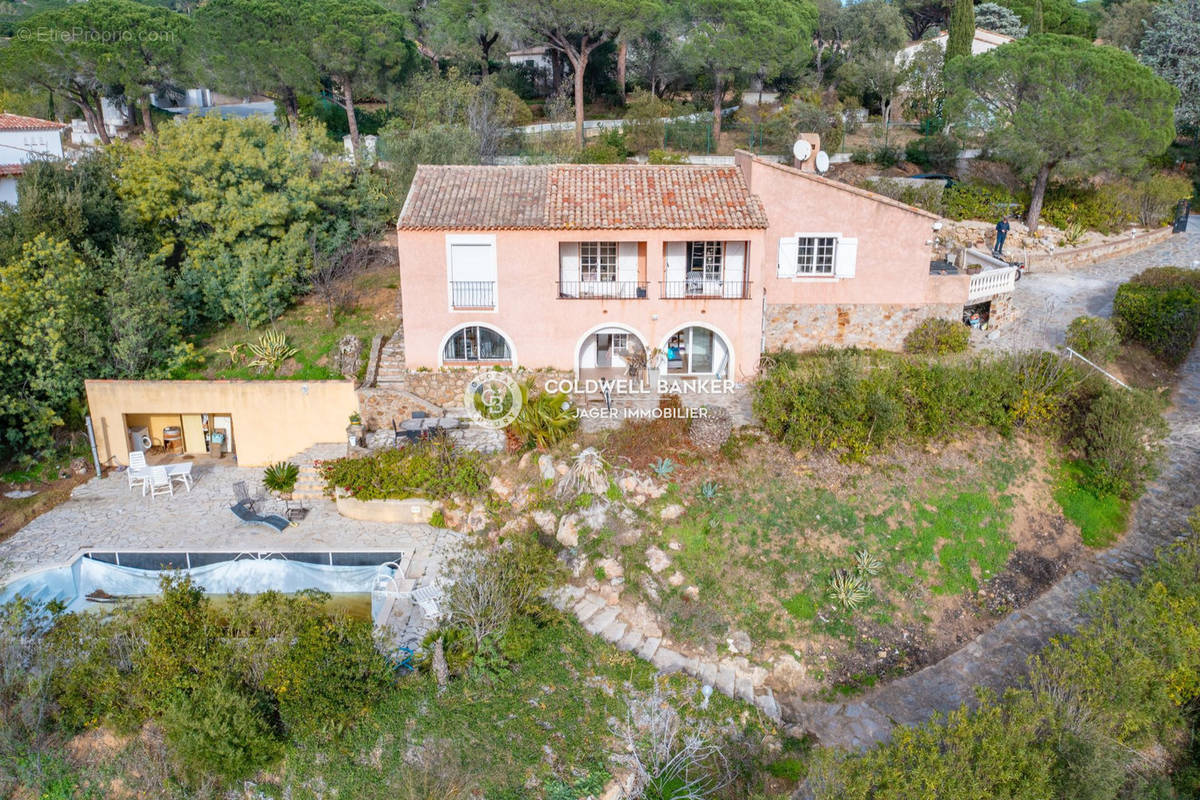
(139, 440)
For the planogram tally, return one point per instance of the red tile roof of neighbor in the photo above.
(580, 196)
(15, 122)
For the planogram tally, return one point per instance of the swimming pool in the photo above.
(137, 574)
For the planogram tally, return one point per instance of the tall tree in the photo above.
(1055, 104)
(1124, 24)
(463, 28)
(576, 28)
(1001, 19)
(1171, 47)
(875, 32)
(256, 47)
(91, 50)
(732, 39)
(961, 30)
(361, 47)
(921, 15)
(827, 34)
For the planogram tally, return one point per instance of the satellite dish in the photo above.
(822, 162)
(802, 149)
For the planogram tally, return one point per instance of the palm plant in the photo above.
(545, 419)
(281, 477)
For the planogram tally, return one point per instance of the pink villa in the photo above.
(580, 268)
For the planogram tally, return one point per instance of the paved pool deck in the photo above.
(104, 514)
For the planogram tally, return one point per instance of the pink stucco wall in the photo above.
(546, 331)
(893, 239)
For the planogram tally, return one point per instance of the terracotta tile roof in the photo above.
(580, 196)
(9, 170)
(15, 122)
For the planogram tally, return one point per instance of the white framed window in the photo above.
(705, 259)
(816, 255)
(598, 261)
(476, 343)
(620, 341)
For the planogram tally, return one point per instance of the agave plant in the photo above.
(867, 564)
(545, 419)
(709, 490)
(234, 351)
(848, 588)
(663, 467)
(271, 350)
(1073, 234)
(587, 473)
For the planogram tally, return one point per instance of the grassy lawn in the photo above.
(309, 329)
(1101, 518)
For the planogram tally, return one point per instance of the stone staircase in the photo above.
(310, 485)
(392, 370)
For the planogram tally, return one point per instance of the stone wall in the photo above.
(807, 327)
(1081, 256)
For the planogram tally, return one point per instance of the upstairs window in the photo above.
(598, 261)
(705, 260)
(816, 255)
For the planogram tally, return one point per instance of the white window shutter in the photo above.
(627, 267)
(735, 268)
(568, 268)
(846, 256)
(789, 253)
(676, 268)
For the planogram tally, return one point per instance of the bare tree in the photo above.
(331, 270)
(480, 600)
(662, 751)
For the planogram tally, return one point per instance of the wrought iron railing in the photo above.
(602, 290)
(697, 287)
(473, 294)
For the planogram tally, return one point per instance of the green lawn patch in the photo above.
(1101, 517)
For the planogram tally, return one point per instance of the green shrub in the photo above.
(599, 153)
(1094, 338)
(937, 152)
(860, 156)
(886, 156)
(1160, 309)
(978, 201)
(430, 469)
(1150, 201)
(666, 157)
(938, 337)
(1094, 208)
(281, 477)
(218, 730)
(927, 196)
(1121, 441)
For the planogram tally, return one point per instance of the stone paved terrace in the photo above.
(104, 514)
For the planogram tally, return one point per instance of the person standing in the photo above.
(1001, 235)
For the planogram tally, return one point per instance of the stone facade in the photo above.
(807, 327)
(1002, 310)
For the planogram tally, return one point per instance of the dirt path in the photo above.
(998, 658)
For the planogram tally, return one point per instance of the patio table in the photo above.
(183, 471)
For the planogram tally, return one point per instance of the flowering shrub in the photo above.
(434, 470)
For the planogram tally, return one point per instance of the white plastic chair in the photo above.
(159, 483)
(137, 473)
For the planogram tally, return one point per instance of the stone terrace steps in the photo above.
(393, 367)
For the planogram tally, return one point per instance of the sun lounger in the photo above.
(242, 512)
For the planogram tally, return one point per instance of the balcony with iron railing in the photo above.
(472, 294)
(602, 290)
(705, 289)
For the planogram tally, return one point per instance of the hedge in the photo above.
(1160, 309)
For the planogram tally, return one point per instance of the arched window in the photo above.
(476, 343)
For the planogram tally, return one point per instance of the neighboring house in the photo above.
(575, 267)
(984, 41)
(23, 139)
(537, 57)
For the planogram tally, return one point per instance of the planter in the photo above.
(355, 435)
(412, 510)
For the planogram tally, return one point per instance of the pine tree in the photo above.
(961, 29)
(1039, 23)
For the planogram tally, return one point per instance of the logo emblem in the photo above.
(493, 399)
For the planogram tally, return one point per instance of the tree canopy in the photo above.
(1055, 104)
(730, 39)
(1171, 47)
